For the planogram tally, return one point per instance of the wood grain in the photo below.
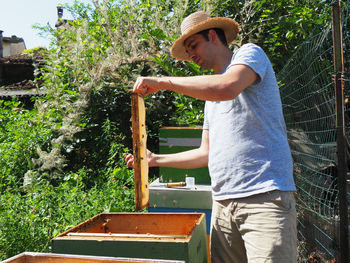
(138, 118)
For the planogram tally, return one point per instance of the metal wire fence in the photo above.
(309, 105)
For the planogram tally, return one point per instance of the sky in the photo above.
(18, 16)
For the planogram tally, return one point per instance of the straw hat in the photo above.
(200, 21)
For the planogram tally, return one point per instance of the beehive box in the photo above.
(180, 199)
(30, 257)
(171, 236)
(179, 139)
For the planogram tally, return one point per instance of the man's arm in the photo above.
(206, 87)
(195, 158)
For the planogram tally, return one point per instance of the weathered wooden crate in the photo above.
(171, 236)
(30, 257)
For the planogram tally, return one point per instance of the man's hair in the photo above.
(218, 31)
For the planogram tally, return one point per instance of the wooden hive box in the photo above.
(30, 257)
(170, 236)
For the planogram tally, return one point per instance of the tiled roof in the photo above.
(21, 88)
(12, 39)
(16, 59)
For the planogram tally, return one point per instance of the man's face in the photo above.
(200, 51)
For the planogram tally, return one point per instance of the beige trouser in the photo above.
(259, 228)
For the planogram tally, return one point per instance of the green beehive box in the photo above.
(166, 236)
(179, 139)
(34, 257)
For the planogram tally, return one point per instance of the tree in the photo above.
(278, 26)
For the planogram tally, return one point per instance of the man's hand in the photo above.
(146, 85)
(129, 158)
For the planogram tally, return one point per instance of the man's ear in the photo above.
(212, 36)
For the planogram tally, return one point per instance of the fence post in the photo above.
(343, 256)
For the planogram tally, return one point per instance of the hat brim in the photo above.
(229, 26)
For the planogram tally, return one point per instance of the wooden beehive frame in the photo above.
(138, 118)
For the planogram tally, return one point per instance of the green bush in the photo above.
(30, 218)
(22, 131)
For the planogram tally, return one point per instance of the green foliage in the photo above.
(188, 111)
(278, 26)
(34, 207)
(35, 50)
(32, 217)
(90, 72)
(21, 133)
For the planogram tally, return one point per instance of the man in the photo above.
(244, 143)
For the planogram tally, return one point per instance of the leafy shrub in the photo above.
(21, 133)
(32, 217)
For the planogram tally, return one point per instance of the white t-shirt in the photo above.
(248, 148)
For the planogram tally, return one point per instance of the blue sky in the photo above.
(18, 16)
